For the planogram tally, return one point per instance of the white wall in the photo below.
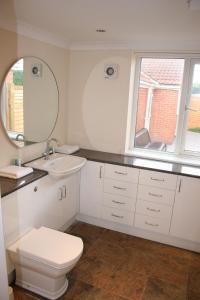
(14, 46)
(3, 273)
(97, 107)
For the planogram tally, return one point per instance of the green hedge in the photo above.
(18, 77)
(195, 129)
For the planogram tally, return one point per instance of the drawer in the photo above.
(150, 193)
(154, 209)
(116, 215)
(121, 173)
(122, 188)
(119, 202)
(158, 179)
(152, 224)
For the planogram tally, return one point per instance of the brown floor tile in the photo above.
(128, 285)
(170, 250)
(194, 282)
(22, 294)
(86, 230)
(131, 242)
(108, 252)
(82, 291)
(161, 290)
(192, 295)
(119, 280)
(140, 262)
(88, 233)
(93, 271)
(113, 236)
(116, 266)
(195, 259)
(171, 268)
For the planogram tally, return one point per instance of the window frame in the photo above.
(179, 155)
(193, 61)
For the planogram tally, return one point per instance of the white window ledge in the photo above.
(165, 157)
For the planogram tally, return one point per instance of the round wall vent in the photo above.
(111, 71)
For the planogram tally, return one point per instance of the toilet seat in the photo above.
(54, 248)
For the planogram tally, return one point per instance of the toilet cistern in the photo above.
(42, 258)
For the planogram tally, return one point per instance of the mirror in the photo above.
(29, 102)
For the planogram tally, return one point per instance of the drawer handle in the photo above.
(119, 188)
(120, 173)
(151, 224)
(155, 195)
(118, 202)
(179, 188)
(154, 210)
(64, 191)
(156, 179)
(116, 216)
(60, 194)
(100, 172)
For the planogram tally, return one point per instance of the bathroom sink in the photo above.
(58, 165)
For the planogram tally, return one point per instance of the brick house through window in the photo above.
(159, 96)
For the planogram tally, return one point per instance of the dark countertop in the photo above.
(10, 185)
(142, 163)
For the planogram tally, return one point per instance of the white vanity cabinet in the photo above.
(119, 194)
(156, 192)
(186, 213)
(155, 205)
(91, 189)
(40, 203)
(60, 200)
(108, 192)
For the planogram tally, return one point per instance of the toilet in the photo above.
(42, 258)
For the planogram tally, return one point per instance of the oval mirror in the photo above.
(29, 102)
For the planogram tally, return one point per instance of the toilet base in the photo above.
(50, 288)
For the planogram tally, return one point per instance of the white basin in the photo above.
(58, 165)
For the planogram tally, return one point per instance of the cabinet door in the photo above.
(186, 214)
(61, 199)
(91, 189)
(23, 210)
(70, 196)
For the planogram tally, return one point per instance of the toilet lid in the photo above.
(49, 246)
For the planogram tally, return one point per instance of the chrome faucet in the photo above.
(20, 137)
(48, 149)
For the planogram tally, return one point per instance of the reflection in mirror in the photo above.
(29, 102)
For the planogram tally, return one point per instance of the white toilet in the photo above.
(42, 258)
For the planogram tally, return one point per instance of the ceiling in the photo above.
(128, 23)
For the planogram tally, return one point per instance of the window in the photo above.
(12, 100)
(166, 109)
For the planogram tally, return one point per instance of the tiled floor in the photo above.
(116, 266)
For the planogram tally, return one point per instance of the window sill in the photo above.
(165, 157)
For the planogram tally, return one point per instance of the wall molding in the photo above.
(34, 32)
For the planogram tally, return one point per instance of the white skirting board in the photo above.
(131, 230)
(68, 224)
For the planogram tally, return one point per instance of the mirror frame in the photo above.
(1, 88)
